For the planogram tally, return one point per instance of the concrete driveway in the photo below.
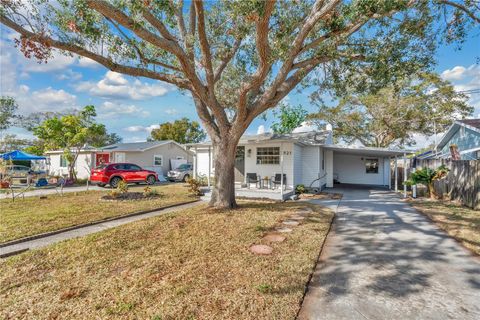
(383, 260)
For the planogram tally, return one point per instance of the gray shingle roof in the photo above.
(312, 137)
(471, 122)
(134, 146)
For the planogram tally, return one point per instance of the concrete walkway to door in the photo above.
(383, 260)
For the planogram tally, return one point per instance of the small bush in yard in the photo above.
(300, 188)
(194, 187)
(149, 192)
(122, 187)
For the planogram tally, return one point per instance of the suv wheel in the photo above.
(114, 182)
(186, 177)
(151, 180)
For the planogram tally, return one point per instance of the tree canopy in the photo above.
(182, 131)
(71, 133)
(8, 109)
(395, 113)
(240, 58)
(288, 117)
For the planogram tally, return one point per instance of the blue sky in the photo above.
(133, 106)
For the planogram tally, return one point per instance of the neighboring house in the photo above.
(159, 156)
(465, 134)
(308, 158)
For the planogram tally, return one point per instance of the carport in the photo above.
(363, 165)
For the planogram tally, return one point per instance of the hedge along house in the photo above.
(159, 156)
(308, 158)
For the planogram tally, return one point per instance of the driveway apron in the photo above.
(384, 260)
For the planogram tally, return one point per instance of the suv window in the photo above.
(132, 167)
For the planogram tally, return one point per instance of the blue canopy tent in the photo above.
(19, 155)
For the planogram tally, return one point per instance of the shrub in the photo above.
(149, 192)
(427, 177)
(194, 187)
(300, 188)
(122, 187)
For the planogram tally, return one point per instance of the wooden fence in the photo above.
(462, 182)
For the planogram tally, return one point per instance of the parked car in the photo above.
(182, 173)
(17, 171)
(113, 173)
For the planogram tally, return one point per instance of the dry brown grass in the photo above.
(32, 215)
(460, 222)
(193, 264)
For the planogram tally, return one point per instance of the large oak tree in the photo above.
(239, 58)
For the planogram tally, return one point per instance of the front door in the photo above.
(102, 158)
(240, 164)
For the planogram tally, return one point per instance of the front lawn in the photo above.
(32, 215)
(460, 222)
(193, 264)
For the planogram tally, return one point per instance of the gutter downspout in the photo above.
(281, 169)
(396, 174)
(209, 166)
(404, 174)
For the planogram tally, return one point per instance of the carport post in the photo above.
(195, 164)
(209, 166)
(404, 175)
(396, 174)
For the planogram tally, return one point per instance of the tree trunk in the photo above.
(223, 193)
(431, 190)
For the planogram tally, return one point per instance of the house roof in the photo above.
(367, 151)
(134, 146)
(305, 138)
(472, 124)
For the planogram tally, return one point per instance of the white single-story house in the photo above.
(159, 156)
(308, 158)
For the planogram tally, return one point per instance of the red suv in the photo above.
(113, 173)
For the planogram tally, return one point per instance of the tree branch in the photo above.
(461, 8)
(263, 49)
(108, 63)
(223, 64)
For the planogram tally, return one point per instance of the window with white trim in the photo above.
(63, 161)
(371, 165)
(268, 155)
(158, 160)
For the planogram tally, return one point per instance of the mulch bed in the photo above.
(321, 196)
(129, 196)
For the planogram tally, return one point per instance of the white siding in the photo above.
(203, 162)
(329, 167)
(82, 166)
(297, 164)
(269, 170)
(312, 166)
(349, 168)
(167, 151)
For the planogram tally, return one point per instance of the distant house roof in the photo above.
(305, 138)
(472, 124)
(135, 146)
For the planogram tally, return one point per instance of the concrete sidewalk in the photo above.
(44, 192)
(83, 231)
(383, 260)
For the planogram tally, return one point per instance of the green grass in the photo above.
(32, 215)
(193, 264)
(460, 222)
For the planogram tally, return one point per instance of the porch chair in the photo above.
(252, 178)
(277, 180)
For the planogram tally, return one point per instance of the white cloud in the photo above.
(171, 111)
(116, 86)
(465, 79)
(69, 74)
(110, 110)
(146, 129)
